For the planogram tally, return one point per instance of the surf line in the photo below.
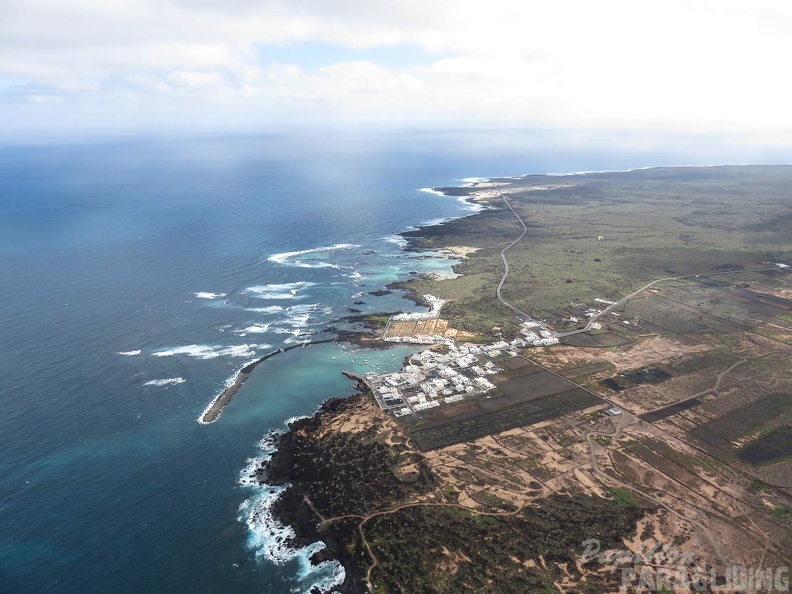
(216, 407)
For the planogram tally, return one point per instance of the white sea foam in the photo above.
(241, 350)
(228, 382)
(130, 353)
(279, 296)
(397, 239)
(207, 295)
(302, 264)
(438, 221)
(284, 286)
(198, 351)
(471, 206)
(302, 308)
(298, 317)
(298, 321)
(293, 258)
(295, 332)
(203, 351)
(269, 309)
(270, 539)
(432, 191)
(291, 420)
(255, 329)
(279, 291)
(171, 381)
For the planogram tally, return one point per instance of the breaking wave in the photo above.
(207, 295)
(202, 351)
(397, 239)
(130, 353)
(171, 381)
(255, 329)
(295, 259)
(433, 191)
(471, 206)
(270, 539)
(269, 309)
(279, 291)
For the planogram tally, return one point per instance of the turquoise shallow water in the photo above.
(176, 253)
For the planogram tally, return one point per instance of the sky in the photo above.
(141, 66)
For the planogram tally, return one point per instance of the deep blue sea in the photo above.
(138, 277)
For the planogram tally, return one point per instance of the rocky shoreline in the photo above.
(348, 466)
(285, 466)
(340, 473)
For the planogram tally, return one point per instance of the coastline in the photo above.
(296, 507)
(361, 339)
(349, 483)
(288, 508)
(215, 408)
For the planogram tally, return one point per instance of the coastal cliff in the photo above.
(346, 460)
(357, 484)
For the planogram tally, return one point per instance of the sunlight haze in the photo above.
(144, 66)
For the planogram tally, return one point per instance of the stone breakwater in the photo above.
(212, 412)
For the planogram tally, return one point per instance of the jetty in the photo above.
(216, 407)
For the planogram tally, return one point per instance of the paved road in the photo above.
(624, 300)
(520, 313)
(620, 421)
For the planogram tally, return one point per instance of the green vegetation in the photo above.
(758, 486)
(345, 473)
(702, 220)
(652, 224)
(783, 512)
(448, 550)
(439, 548)
(624, 497)
(590, 587)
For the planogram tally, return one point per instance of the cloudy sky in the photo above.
(694, 66)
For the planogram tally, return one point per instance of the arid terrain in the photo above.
(662, 432)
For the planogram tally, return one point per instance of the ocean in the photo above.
(138, 276)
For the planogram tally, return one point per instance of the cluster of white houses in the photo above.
(535, 335)
(431, 379)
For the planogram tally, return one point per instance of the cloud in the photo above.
(676, 64)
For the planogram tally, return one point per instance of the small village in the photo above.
(449, 371)
(439, 376)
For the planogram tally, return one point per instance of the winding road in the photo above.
(607, 310)
(519, 312)
(363, 519)
(606, 478)
(624, 300)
